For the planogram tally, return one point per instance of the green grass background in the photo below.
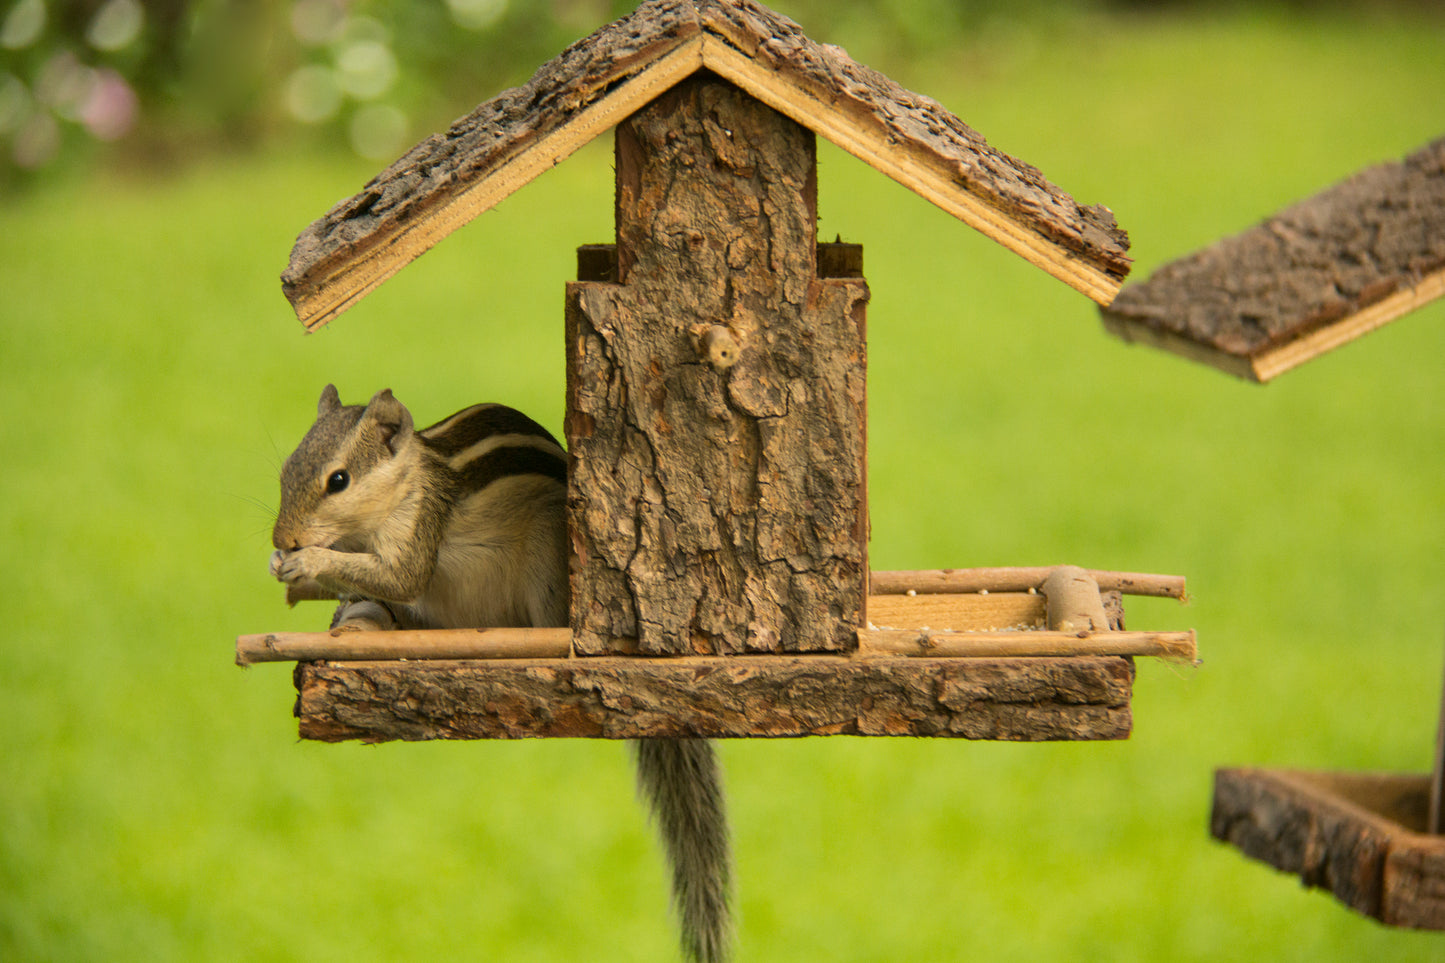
(155, 802)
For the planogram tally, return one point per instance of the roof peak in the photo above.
(600, 80)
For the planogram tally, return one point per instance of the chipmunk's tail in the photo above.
(682, 783)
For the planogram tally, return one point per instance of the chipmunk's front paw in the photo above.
(302, 565)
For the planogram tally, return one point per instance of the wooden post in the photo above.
(716, 397)
(1435, 821)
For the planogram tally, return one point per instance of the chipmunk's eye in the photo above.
(337, 481)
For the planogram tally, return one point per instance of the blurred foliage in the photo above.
(156, 82)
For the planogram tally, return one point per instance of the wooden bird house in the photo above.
(1314, 276)
(716, 420)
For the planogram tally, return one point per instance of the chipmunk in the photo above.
(462, 525)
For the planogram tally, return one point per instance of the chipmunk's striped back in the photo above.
(501, 559)
(484, 443)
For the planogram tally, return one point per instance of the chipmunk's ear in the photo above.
(330, 401)
(391, 419)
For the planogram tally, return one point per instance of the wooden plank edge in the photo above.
(1018, 579)
(1273, 361)
(958, 611)
(556, 643)
(1132, 331)
(1270, 816)
(786, 697)
(931, 178)
(322, 295)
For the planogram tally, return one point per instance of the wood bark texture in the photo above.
(716, 398)
(762, 696)
(1312, 265)
(479, 146)
(451, 177)
(1359, 836)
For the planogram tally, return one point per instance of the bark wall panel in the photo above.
(716, 397)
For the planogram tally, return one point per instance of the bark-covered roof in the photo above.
(598, 81)
(1315, 275)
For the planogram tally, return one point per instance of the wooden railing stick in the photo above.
(947, 580)
(498, 643)
(557, 644)
(921, 643)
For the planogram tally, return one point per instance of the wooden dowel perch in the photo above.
(918, 642)
(945, 580)
(1068, 602)
(501, 643)
(557, 644)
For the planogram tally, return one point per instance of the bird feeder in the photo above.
(715, 419)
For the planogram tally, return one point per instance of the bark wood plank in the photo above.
(1310, 278)
(756, 696)
(715, 397)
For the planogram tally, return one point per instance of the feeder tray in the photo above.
(1373, 840)
(953, 658)
(1360, 836)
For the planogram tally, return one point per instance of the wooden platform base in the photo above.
(1360, 836)
(1025, 655)
(1019, 699)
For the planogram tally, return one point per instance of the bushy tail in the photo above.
(682, 784)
